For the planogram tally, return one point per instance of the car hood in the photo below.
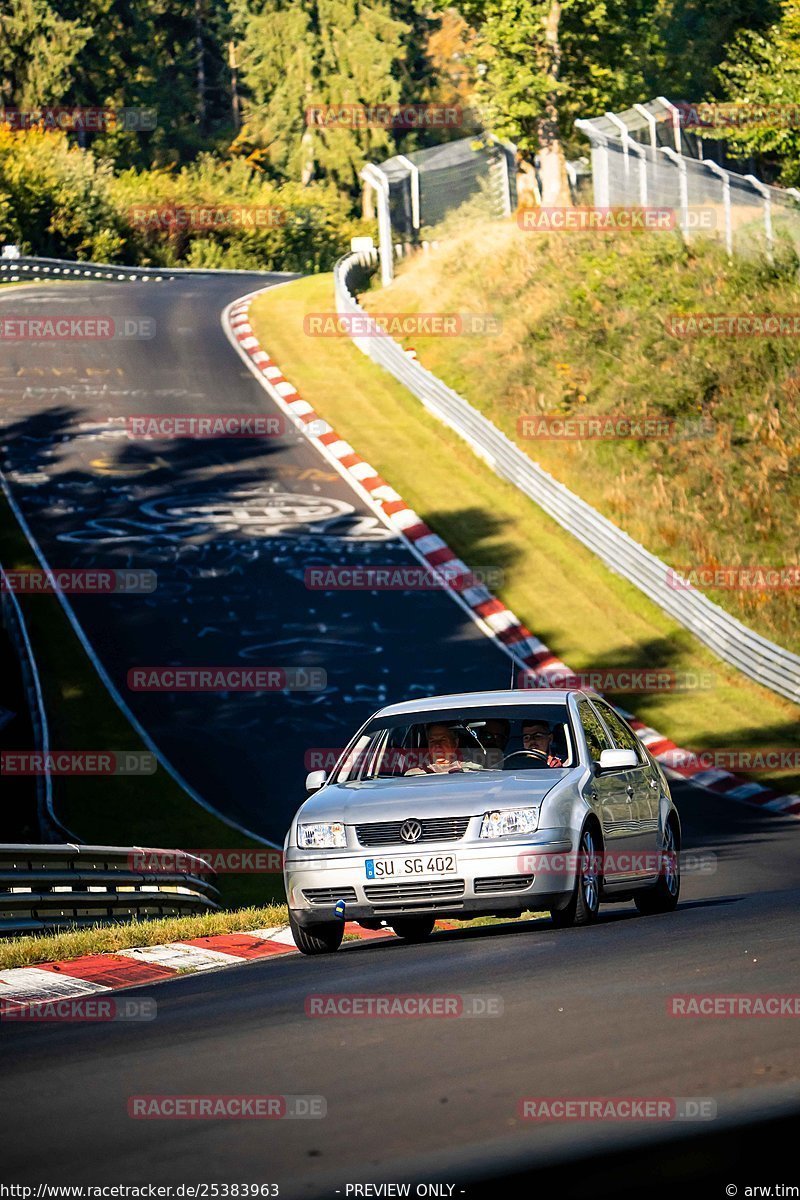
(422, 796)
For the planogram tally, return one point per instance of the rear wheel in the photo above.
(663, 897)
(583, 905)
(317, 939)
(414, 929)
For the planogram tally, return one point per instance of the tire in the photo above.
(663, 898)
(324, 938)
(584, 904)
(414, 929)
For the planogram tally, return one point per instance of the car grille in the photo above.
(329, 895)
(387, 893)
(503, 883)
(434, 829)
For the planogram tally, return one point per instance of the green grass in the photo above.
(586, 614)
(583, 333)
(118, 810)
(107, 939)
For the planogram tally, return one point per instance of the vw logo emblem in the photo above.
(411, 831)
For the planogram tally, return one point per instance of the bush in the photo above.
(59, 201)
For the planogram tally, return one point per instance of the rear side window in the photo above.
(596, 737)
(625, 738)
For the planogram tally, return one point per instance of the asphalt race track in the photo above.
(584, 1014)
(229, 526)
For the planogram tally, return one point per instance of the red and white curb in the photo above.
(48, 983)
(495, 619)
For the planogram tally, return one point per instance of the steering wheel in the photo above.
(540, 759)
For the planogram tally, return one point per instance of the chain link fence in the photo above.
(415, 192)
(647, 157)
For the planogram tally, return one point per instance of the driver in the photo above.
(537, 738)
(443, 756)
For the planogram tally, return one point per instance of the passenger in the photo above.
(537, 738)
(443, 757)
(494, 738)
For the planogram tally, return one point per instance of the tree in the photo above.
(543, 63)
(299, 54)
(38, 51)
(764, 70)
(684, 42)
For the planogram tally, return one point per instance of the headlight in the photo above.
(325, 836)
(511, 821)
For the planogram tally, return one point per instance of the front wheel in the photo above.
(414, 929)
(584, 904)
(663, 898)
(324, 938)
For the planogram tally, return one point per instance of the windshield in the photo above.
(452, 741)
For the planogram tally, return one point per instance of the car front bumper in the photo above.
(490, 878)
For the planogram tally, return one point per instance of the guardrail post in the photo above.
(600, 180)
(683, 185)
(676, 122)
(766, 195)
(413, 171)
(624, 138)
(641, 155)
(652, 122)
(506, 176)
(371, 175)
(726, 201)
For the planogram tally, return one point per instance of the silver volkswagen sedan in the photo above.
(482, 804)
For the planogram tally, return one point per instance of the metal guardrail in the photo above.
(15, 625)
(757, 657)
(45, 888)
(19, 270)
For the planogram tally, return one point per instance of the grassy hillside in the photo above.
(583, 332)
(589, 616)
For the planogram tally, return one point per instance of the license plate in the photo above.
(401, 868)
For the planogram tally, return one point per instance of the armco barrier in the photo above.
(56, 887)
(762, 660)
(14, 622)
(22, 270)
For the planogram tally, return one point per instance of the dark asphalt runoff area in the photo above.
(584, 1014)
(229, 526)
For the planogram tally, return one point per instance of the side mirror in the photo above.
(617, 760)
(314, 781)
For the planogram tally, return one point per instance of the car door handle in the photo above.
(654, 783)
(630, 791)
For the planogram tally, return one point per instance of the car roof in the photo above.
(516, 697)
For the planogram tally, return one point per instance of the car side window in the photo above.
(596, 737)
(625, 738)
